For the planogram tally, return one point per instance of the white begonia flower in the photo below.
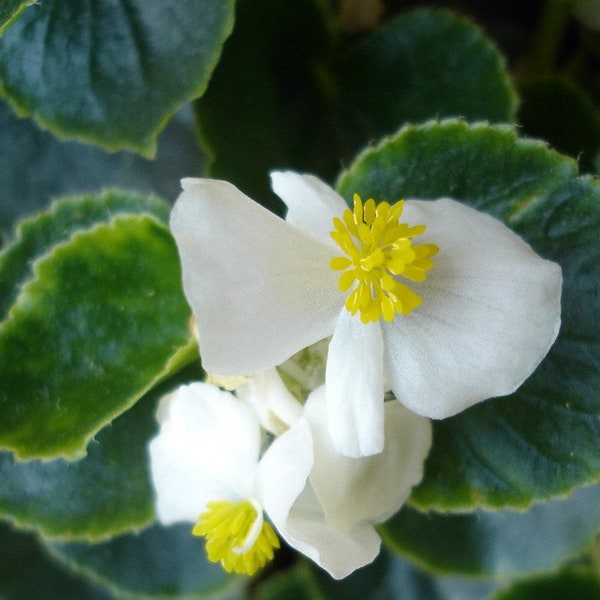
(333, 520)
(205, 461)
(473, 323)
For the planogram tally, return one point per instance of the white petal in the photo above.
(490, 312)
(355, 388)
(260, 289)
(332, 520)
(311, 204)
(274, 405)
(372, 488)
(207, 449)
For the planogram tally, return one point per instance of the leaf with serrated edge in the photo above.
(35, 235)
(10, 10)
(101, 322)
(158, 562)
(506, 543)
(77, 500)
(540, 441)
(129, 67)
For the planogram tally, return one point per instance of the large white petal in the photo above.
(372, 488)
(207, 449)
(490, 312)
(311, 204)
(260, 289)
(355, 386)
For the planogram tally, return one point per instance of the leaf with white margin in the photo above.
(109, 72)
(540, 441)
(102, 318)
(500, 544)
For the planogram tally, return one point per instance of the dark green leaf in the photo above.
(570, 584)
(111, 72)
(35, 166)
(423, 65)
(10, 10)
(499, 544)
(27, 573)
(285, 95)
(559, 112)
(542, 440)
(101, 320)
(105, 494)
(387, 578)
(156, 563)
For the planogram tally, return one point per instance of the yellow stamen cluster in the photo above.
(378, 249)
(237, 536)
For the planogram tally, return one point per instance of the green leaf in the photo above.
(99, 321)
(560, 112)
(35, 166)
(572, 583)
(10, 10)
(499, 544)
(387, 578)
(28, 573)
(316, 102)
(540, 441)
(109, 72)
(107, 493)
(159, 562)
(34, 235)
(422, 65)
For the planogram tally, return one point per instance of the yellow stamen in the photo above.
(378, 249)
(236, 535)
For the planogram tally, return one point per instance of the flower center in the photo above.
(378, 250)
(236, 535)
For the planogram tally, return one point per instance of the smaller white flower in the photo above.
(206, 467)
(203, 463)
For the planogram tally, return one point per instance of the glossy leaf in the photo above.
(111, 72)
(107, 493)
(158, 562)
(28, 573)
(542, 440)
(101, 320)
(387, 578)
(316, 103)
(570, 583)
(35, 235)
(559, 112)
(36, 167)
(499, 544)
(10, 10)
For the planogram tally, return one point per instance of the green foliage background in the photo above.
(105, 105)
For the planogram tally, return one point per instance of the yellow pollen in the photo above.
(236, 535)
(378, 250)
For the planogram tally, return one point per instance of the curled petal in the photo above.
(369, 489)
(260, 289)
(332, 520)
(355, 386)
(207, 449)
(490, 312)
(312, 204)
